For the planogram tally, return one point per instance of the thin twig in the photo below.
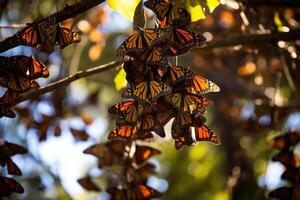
(65, 81)
(253, 39)
(13, 26)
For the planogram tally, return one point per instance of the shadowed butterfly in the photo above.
(128, 132)
(146, 91)
(7, 150)
(176, 74)
(79, 135)
(285, 141)
(185, 138)
(88, 184)
(16, 82)
(143, 153)
(9, 186)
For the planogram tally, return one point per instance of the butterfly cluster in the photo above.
(286, 155)
(158, 90)
(8, 185)
(18, 73)
(129, 182)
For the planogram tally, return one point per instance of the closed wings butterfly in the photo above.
(200, 85)
(146, 91)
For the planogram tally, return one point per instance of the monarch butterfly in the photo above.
(88, 184)
(285, 141)
(9, 186)
(67, 37)
(145, 192)
(155, 55)
(43, 126)
(200, 85)
(6, 151)
(186, 103)
(287, 158)
(128, 110)
(176, 74)
(169, 12)
(143, 153)
(183, 120)
(203, 133)
(16, 82)
(184, 139)
(9, 97)
(29, 36)
(6, 112)
(164, 112)
(182, 40)
(127, 132)
(150, 122)
(138, 41)
(29, 66)
(146, 91)
(142, 173)
(135, 71)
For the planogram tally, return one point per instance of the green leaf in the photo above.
(212, 4)
(120, 80)
(196, 7)
(124, 7)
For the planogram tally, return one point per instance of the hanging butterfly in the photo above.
(184, 102)
(128, 132)
(169, 12)
(29, 36)
(185, 139)
(9, 186)
(164, 112)
(182, 40)
(128, 110)
(31, 67)
(105, 156)
(203, 133)
(88, 184)
(139, 41)
(150, 123)
(155, 55)
(146, 91)
(7, 150)
(43, 126)
(6, 112)
(185, 120)
(176, 74)
(142, 173)
(143, 153)
(16, 82)
(145, 192)
(135, 71)
(199, 85)
(285, 141)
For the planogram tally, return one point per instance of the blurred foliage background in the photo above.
(259, 98)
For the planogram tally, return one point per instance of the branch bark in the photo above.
(65, 81)
(66, 13)
(253, 39)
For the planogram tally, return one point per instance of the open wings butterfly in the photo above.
(138, 41)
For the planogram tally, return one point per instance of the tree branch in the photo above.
(253, 39)
(65, 81)
(66, 13)
(232, 41)
(273, 3)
